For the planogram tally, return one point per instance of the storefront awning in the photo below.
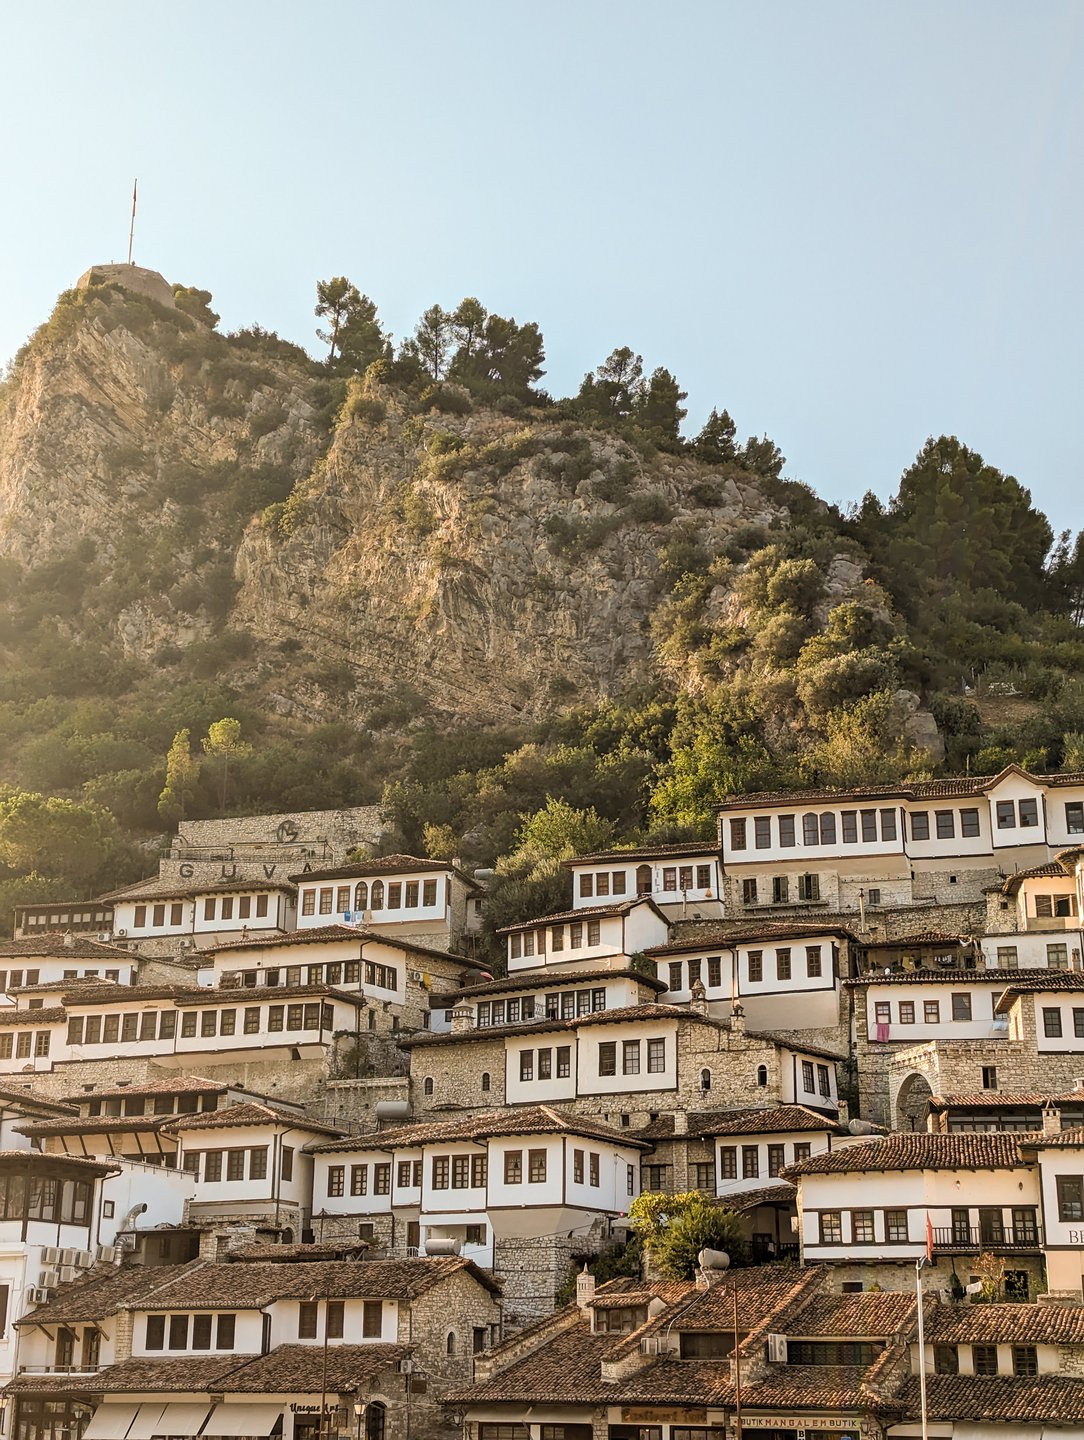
(230, 1421)
(146, 1423)
(965, 1430)
(110, 1422)
(183, 1419)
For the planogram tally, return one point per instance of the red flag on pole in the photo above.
(929, 1239)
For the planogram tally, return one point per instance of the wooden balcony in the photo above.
(963, 1239)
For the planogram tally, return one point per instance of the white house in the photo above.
(171, 916)
(604, 937)
(406, 896)
(683, 880)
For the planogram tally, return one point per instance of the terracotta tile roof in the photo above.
(867, 1316)
(94, 1125)
(356, 934)
(527, 1120)
(255, 1284)
(1072, 1138)
(569, 1364)
(12, 1095)
(246, 1112)
(248, 994)
(788, 1387)
(922, 937)
(539, 1027)
(591, 912)
(1055, 870)
(41, 1160)
(793, 1040)
(348, 1250)
(761, 1291)
(949, 975)
(762, 1120)
(915, 790)
(722, 938)
(108, 992)
(531, 982)
(1045, 979)
(997, 1398)
(386, 865)
(299, 1369)
(173, 1085)
(97, 1297)
(51, 1015)
(155, 888)
(55, 947)
(741, 1201)
(198, 1373)
(1005, 1324)
(918, 1151)
(1004, 1100)
(646, 852)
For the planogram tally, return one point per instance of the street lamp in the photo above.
(360, 1407)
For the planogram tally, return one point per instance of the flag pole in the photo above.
(923, 1260)
(131, 230)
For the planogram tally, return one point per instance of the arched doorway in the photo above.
(911, 1103)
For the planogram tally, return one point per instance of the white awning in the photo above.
(145, 1425)
(229, 1421)
(965, 1430)
(183, 1419)
(110, 1422)
(1063, 1432)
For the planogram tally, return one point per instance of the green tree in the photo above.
(65, 838)
(657, 407)
(353, 334)
(433, 337)
(763, 457)
(716, 444)
(196, 303)
(675, 1228)
(611, 390)
(715, 750)
(467, 324)
(334, 300)
(223, 743)
(182, 772)
(555, 833)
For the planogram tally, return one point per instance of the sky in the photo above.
(852, 224)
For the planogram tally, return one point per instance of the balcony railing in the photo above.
(955, 1238)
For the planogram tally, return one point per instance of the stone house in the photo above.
(406, 897)
(683, 880)
(169, 917)
(1033, 917)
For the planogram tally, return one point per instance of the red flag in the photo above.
(929, 1239)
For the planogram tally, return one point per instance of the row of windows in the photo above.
(750, 1160)
(187, 1104)
(410, 1173)
(333, 972)
(530, 942)
(931, 1010)
(224, 907)
(563, 1006)
(59, 919)
(784, 963)
(12, 979)
(547, 1063)
(44, 1197)
(235, 1165)
(399, 895)
(308, 1319)
(108, 1029)
(24, 1043)
(696, 971)
(1052, 1022)
(823, 1085)
(676, 879)
(991, 1230)
(190, 1332)
(815, 829)
(1007, 812)
(630, 1057)
(808, 887)
(984, 1360)
(459, 1172)
(1047, 906)
(162, 1024)
(1057, 957)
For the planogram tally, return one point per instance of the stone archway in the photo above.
(911, 1101)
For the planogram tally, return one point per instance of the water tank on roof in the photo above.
(713, 1260)
(440, 1245)
(393, 1110)
(860, 1127)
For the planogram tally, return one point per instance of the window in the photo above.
(737, 841)
(882, 1012)
(1074, 817)
(593, 1168)
(630, 1057)
(874, 895)
(564, 1062)
(513, 1167)
(762, 832)
(831, 1227)
(460, 1172)
(1029, 813)
(287, 1166)
(961, 1007)
(931, 1012)
(750, 1161)
(703, 1176)
(587, 885)
(888, 824)
(812, 960)
(786, 831)
(336, 1179)
(235, 1164)
(307, 1320)
(715, 969)
(594, 932)
(782, 964)
(989, 1077)
(140, 918)
(382, 1179)
(536, 1167)
(1005, 811)
(907, 1012)
(334, 1315)
(1057, 957)
(526, 1064)
(212, 1166)
(1051, 1022)
(780, 889)
(440, 1172)
(619, 879)
(575, 937)
(862, 1227)
(602, 883)
(946, 824)
(969, 824)
(1078, 1022)
(756, 965)
(545, 1064)
(703, 878)
(895, 1227)
(762, 1075)
(728, 1162)
(946, 1360)
(802, 1151)
(807, 1076)
(156, 1332)
(984, 1359)
(811, 830)
(607, 1057)
(359, 1179)
(920, 825)
(809, 887)
(1025, 1361)
(372, 1319)
(776, 1159)
(828, 829)
(1070, 1197)
(1008, 957)
(749, 892)
(676, 978)
(849, 826)
(577, 1167)
(669, 874)
(869, 825)
(823, 1082)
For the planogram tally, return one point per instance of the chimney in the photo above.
(69, 940)
(737, 1018)
(698, 998)
(462, 1019)
(681, 1122)
(1051, 1120)
(585, 1288)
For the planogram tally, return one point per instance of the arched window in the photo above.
(377, 895)
(705, 1079)
(643, 879)
(449, 1344)
(427, 1084)
(485, 1079)
(762, 1074)
(361, 895)
(374, 1420)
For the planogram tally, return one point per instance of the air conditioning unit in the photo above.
(416, 976)
(777, 1349)
(85, 1258)
(69, 1257)
(67, 1273)
(108, 1254)
(50, 1255)
(120, 934)
(35, 1295)
(48, 1279)
(103, 936)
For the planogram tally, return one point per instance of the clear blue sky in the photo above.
(853, 224)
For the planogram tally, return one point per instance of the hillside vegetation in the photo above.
(529, 625)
